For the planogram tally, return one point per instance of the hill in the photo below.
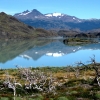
(12, 28)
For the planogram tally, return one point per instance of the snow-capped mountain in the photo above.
(57, 21)
(62, 17)
(35, 14)
(29, 14)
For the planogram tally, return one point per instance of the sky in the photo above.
(84, 9)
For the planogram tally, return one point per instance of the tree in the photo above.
(36, 79)
(95, 67)
(12, 84)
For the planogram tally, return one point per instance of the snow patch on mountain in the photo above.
(25, 12)
(74, 18)
(54, 14)
(48, 15)
(57, 14)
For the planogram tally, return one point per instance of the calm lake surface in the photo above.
(45, 52)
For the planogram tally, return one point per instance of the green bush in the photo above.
(62, 98)
(73, 92)
(18, 98)
(4, 98)
(51, 99)
(97, 95)
(39, 97)
(36, 99)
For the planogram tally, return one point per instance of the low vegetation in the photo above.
(51, 83)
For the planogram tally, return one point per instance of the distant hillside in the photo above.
(12, 28)
(57, 21)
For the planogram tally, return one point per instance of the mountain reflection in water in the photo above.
(45, 52)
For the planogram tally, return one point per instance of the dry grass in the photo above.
(72, 87)
(60, 75)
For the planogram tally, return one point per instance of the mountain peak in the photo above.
(28, 14)
(3, 13)
(25, 12)
(35, 10)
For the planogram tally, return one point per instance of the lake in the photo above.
(45, 52)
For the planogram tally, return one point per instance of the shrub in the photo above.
(97, 95)
(4, 98)
(62, 98)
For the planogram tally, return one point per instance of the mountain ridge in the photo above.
(35, 14)
(57, 21)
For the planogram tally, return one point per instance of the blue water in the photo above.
(54, 54)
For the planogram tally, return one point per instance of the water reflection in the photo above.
(45, 53)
